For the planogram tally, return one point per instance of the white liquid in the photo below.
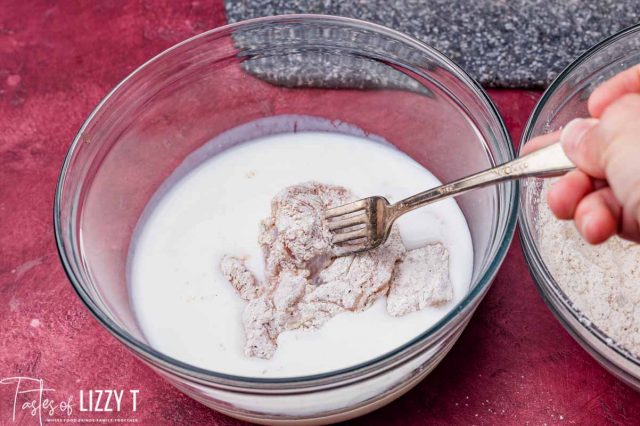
(187, 309)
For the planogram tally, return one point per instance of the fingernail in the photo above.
(574, 132)
(585, 224)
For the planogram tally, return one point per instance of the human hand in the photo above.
(603, 195)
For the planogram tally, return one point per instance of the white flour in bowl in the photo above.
(603, 281)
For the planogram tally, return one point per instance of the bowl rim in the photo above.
(332, 378)
(543, 278)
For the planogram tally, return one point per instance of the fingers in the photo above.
(624, 83)
(620, 129)
(565, 194)
(583, 144)
(603, 195)
(598, 216)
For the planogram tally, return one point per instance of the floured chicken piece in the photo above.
(420, 280)
(240, 277)
(306, 284)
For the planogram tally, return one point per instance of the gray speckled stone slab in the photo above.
(501, 43)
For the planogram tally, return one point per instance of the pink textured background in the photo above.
(514, 364)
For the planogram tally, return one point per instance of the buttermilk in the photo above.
(188, 310)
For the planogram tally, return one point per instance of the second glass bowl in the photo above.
(565, 100)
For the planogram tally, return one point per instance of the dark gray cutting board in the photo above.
(501, 43)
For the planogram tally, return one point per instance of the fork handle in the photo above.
(545, 162)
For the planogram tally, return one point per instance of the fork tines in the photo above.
(352, 219)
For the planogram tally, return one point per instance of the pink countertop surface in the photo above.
(514, 364)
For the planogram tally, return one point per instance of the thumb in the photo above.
(583, 144)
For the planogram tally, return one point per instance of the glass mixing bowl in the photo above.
(564, 100)
(268, 76)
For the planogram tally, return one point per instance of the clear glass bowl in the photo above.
(564, 100)
(265, 76)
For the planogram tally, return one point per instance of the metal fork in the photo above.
(365, 224)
